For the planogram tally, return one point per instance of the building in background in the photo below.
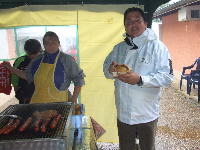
(178, 28)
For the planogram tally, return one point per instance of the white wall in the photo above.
(4, 53)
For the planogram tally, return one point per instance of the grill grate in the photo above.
(26, 110)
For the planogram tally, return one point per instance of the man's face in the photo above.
(51, 44)
(134, 24)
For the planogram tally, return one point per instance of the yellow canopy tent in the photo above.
(100, 27)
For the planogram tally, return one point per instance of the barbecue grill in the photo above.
(59, 138)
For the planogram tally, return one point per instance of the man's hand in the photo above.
(129, 77)
(73, 100)
(112, 67)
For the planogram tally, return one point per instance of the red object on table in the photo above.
(98, 129)
(5, 80)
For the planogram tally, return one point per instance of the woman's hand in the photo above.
(13, 70)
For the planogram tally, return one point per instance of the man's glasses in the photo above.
(133, 21)
(50, 42)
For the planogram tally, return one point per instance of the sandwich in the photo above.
(121, 69)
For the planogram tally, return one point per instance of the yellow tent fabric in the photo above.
(38, 15)
(100, 27)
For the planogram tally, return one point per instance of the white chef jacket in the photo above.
(140, 104)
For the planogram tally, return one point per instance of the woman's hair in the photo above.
(51, 35)
(32, 46)
(134, 9)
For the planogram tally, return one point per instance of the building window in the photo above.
(195, 13)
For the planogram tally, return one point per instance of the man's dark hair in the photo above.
(134, 9)
(32, 46)
(51, 34)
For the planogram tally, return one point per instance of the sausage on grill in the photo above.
(55, 121)
(37, 125)
(26, 124)
(44, 125)
(8, 125)
(13, 126)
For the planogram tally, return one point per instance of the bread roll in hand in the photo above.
(121, 69)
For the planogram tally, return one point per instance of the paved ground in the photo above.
(179, 123)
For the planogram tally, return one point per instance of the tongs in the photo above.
(12, 116)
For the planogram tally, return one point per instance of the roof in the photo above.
(14, 3)
(170, 8)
